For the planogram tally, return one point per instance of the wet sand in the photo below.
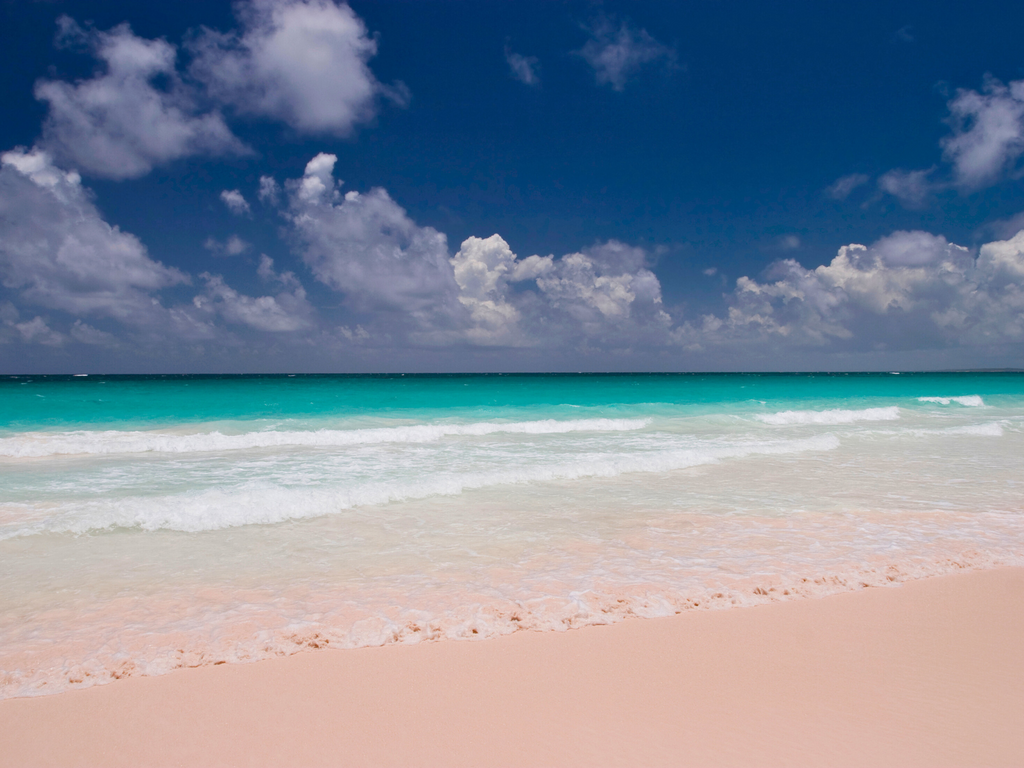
(927, 673)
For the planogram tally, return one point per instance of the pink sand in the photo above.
(928, 673)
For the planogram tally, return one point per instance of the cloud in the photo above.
(233, 246)
(304, 62)
(235, 202)
(400, 276)
(365, 246)
(603, 296)
(911, 188)
(910, 290)
(984, 147)
(120, 124)
(789, 242)
(904, 34)
(57, 251)
(988, 133)
(86, 334)
(287, 311)
(617, 52)
(269, 191)
(36, 331)
(1006, 228)
(525, 69)
(843, 186)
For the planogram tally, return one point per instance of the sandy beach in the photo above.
(927, 673)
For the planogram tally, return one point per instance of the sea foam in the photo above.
(831, 416)
(257, 502)
(38, 444)
(972, 401)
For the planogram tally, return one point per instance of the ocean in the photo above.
(149, 523)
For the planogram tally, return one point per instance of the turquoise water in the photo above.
(148, 523)
(141, 402)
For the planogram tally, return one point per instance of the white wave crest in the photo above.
(261, 503)
(833, 416)
(38, 444)
(992, 429)
(971, 401)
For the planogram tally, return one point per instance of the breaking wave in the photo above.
(832, 416)
(260, 503)
(972, 401)
(38, 444)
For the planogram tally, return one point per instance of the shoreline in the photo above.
(926, 673)
(161, 649)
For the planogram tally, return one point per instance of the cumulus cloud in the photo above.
(988, 133)
(483, 268)
(525, 69)
(843, 186)
(58, 252)
(120, 123)
(907, 290)
(366, 246)
(400, 274)
(289, 310)
(304, 62)
(235, 202)
(616, 52)
(36, 331)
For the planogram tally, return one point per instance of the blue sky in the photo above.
(289, 185)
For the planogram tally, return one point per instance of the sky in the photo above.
(427, 186)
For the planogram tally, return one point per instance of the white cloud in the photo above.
(911, 188)
(36, 331)
(400, 275)
(287, 311)
(233, 246)
(269, 192)
(1006, 228)
(789, 242)
(304, 62)
(119, 124)
(483, 268)
(525, 69)
(604, 294)
(608, 290)
(365, 246)
(843, 186)
(57, 251)
(985, 146)
(617, 52)
(988, 133)
(235, 202)
(907, 290)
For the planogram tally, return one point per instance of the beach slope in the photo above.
(928, 673)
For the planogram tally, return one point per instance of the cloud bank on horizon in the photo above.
(367, 287)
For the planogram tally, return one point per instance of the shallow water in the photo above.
(148, 523)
